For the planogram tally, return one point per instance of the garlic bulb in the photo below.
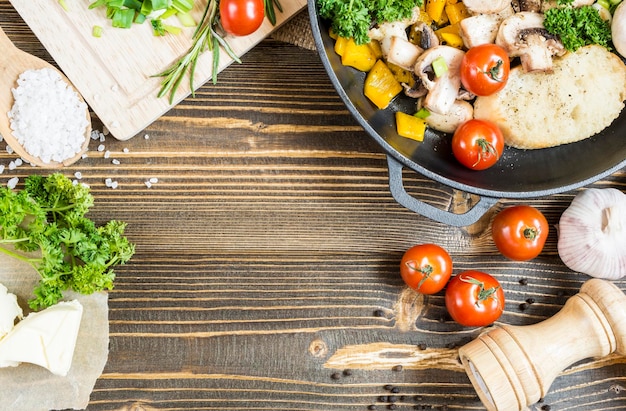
(592, 233)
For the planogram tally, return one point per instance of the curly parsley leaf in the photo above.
(48, 217)
(353, 18)
(578, 27)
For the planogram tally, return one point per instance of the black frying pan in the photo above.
(518, 174)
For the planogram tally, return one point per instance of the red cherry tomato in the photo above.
(520, 232)
(478, 144)
(474, 299)
(485, 69)
(426, 268)
(241, 17)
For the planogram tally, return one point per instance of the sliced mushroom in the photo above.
(442, 90)
(459, 113)
(485, 7)
(523, 35)
(403, 53)
(550, 4)
(530, 5)
(423, 35)
(618, 29)
(479, 29)
(384, 32)
(417, 90)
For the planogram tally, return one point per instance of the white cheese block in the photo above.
(46, 338)
(9, 311)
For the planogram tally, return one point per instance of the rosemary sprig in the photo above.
(206, 37)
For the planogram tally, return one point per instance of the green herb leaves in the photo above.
(48, 217)
(578, 26)
(353, 18)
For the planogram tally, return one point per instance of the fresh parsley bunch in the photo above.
(578, 26)
(48, 217)
(354, 18)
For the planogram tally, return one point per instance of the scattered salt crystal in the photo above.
(12, 165)
(78, 175)
(154, 180)
(114, 185)
(107, 154)
(12, 183)
(94, 134)
(84, 156)
(19, 162)
(101, 147)
(146, 137)
(48, 117)
(108, 182)
(1, 168)
(148, 184)
(9, 150)
(115, 161)
(125, 150)
(102, 137)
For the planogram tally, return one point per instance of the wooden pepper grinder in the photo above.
(512, 367)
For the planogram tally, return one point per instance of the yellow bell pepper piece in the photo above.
(380, 85)
(452, 40)
(340, 45)
(434, 8)
(410, 126)
(359, 56)
(375, 46)
(452, 28)
(456, 12)
(402, 75)
(332, 34)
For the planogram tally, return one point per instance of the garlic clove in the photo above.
(592, 233)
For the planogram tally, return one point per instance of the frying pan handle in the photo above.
(404, 199)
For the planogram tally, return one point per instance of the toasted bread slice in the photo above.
(583, 95)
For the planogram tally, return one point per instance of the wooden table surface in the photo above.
(267, 258)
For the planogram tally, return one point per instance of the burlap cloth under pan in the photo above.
(297, 31)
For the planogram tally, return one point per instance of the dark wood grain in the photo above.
(271, 242)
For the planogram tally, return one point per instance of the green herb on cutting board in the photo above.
(48, 218)
(125, 13)
(206, 37)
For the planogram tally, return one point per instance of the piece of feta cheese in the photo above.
(46, 338)
(9, 311)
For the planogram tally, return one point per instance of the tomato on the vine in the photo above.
(520, 232)
(426, 268)
(241, 17)
(485, 69)
(474, 299)
(478, 144)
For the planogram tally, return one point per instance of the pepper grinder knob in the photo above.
(512, 367)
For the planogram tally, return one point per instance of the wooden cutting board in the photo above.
(114, 72)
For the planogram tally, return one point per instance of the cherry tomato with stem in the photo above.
(478, 144)
(426, 268)
(485, 69)
(474, 298)
(520, 232)
(241, 17)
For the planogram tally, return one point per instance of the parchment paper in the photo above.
(29, 387)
